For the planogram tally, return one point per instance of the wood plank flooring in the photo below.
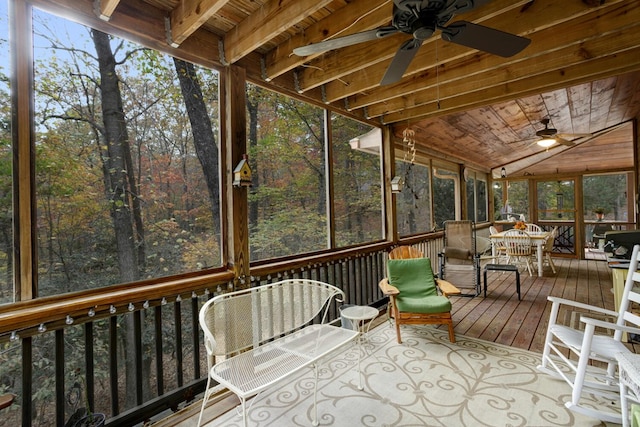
(502, 319)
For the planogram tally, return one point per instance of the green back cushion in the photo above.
(414, 279)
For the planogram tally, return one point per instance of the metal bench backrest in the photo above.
(245, 319)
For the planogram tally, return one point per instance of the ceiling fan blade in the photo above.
(484, 38)
(574, 135)
(564, 141)
(345, 41)
(401, 61)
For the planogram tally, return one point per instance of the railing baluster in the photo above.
(113, 363)
(357, 280)
(27, 381)
(195, 331)
(177, 317)
(89, 365)
(137, 336)
(159, 338)
(355, 299)
(59, 366)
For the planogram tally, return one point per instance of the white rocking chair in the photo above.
(589, 346)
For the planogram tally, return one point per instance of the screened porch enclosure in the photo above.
(122, 216)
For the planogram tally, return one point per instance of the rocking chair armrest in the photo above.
(387, 288)
(608, 325)
(447, 288)
(584, 306)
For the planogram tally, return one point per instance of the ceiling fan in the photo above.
(421, 18)
(550, 136)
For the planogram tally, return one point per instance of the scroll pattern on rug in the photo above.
(425, 381)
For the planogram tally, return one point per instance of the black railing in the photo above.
(137, 360)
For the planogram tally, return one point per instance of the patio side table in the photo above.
(361, 317)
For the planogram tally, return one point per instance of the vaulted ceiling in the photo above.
(581, 69)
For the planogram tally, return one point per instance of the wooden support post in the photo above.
(235, 204)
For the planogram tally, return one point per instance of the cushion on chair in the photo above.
(424, 305)
(415, 281)
(635, 415)
(458, 253)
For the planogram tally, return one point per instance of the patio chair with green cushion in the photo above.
(414, 295)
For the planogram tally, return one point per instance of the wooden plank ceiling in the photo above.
(581, 69)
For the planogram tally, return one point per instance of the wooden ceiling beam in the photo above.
(520, 22)
(585, 71)
(188, 16)
(281, 59)
(582, 30)
(105, 8)
(201, 48)
(269, 21)
(556, 60)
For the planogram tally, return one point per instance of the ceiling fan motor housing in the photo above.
(421, 23)
(547, 132)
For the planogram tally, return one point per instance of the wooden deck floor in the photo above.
(501, 318)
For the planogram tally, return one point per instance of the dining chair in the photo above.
(500, 250)
(547, 249)
(518, 248)
(533, 228)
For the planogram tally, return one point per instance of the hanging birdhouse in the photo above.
(242, 173)
(396, 184)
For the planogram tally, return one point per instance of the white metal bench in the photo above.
(257, 337)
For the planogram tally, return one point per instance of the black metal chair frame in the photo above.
(474, 256)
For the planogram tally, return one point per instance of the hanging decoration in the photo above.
(408, 138)
(409, 142)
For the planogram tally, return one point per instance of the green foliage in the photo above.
(291, 230)
(606, 193)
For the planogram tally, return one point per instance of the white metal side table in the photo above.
(361, 317)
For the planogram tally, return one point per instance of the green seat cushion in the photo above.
(431, 304)
(415, 281)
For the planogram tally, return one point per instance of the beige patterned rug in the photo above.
(425, 381)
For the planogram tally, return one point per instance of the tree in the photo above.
(203, 138)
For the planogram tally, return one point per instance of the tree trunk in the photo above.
(116, 165)
(203, 137)
(252, 109)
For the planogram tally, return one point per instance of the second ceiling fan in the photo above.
(550, 136)
(421, 18)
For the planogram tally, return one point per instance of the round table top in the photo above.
(359, 312)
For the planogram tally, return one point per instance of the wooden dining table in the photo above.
(538, 239)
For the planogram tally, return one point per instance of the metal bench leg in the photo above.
(204, 399)
(518, 283)
(315, 396)
(243, 402)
